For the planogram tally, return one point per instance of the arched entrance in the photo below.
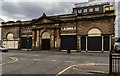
(46, 41)
(10, 41)
(94, 41)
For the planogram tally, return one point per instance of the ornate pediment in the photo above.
(46, 19)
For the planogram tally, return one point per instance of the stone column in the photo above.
(33, 40)
(52, 40)
(38, 38)
(58, 40)
(78, 43)
(33, 33)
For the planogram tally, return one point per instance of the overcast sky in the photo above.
(29, 10)
(32, 9)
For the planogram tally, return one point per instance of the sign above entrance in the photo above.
(68, 28)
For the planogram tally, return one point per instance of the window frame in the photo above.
(97, 9)
(90, 9)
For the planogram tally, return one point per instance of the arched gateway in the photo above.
(46, 41)
(95, 41)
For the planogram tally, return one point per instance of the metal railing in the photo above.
(114, 63)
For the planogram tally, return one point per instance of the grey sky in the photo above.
(30, 10)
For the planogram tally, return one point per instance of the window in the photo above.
(10, 36)
(75, 11)
(79, 11)
(97, 9)
(85, 10)
(91, 10)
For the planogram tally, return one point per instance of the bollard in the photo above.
(68, 51)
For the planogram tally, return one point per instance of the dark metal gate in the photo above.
(94, 43)
(45, 44)
(69, 42)
(106, 43)
(83, 43)
(114, 63)
(26, 42)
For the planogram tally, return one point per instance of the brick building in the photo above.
(92, 32)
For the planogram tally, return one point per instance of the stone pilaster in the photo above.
(52, 40)
(58, 40)
(78, 43)
(33, 40)
(38, 40)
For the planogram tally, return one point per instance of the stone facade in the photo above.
(52, 29)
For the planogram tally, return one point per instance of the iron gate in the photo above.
(114, 63)
(26, 43)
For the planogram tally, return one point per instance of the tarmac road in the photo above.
(45, 62)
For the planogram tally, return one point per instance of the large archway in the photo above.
(46, 41)
(10, 41)
(94, 41)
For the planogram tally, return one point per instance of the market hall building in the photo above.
(79, 32)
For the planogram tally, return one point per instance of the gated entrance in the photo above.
(94, 43)
(46, 41)
(83, 43)
(45, 44)
(26, 42)
(106, 43)
(114, 63)
(68, 42)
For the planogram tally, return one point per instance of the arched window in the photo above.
(94, 32)
(10, 36)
